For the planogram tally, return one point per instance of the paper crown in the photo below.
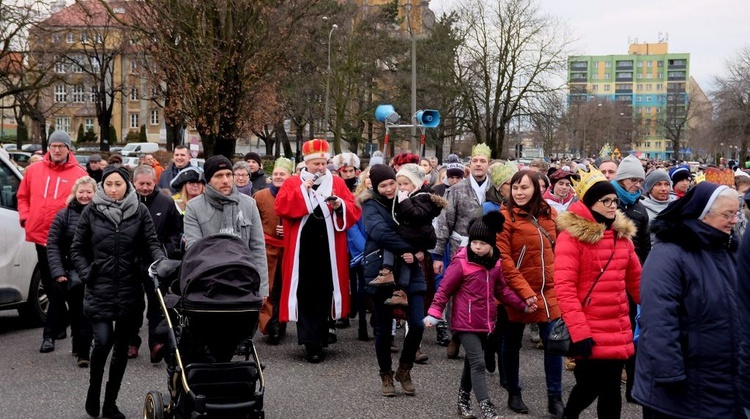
(284, 164)
(720, 176)
(481, 149)
(588, 179)
(344, 160)
(699, 178)
(316, 149)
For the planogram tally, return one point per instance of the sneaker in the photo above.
(384, 279)
(398, 298)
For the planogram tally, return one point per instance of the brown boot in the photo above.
(384, 279)
(398, 299)
(388, 389)
(403, 376)
(453, 347)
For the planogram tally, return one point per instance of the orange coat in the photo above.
(528, 261)
(157, 168)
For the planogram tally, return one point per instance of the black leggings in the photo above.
(596, 378)
(108, 335)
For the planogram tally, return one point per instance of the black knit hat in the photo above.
(116, 168)
(596, 192)
(253, 156)
(379, 173)
(214, 164)
(487, 227)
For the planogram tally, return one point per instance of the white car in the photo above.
(131, 162)
(20, 282)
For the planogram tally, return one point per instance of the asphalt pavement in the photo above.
(345, 385)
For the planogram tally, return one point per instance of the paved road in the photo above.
(346, 385)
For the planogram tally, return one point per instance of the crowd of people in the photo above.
(641, 261)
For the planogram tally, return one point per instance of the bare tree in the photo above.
(546, 113)
(732, 102)
(511, 50)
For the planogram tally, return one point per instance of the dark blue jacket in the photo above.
(381, 234)
(743, 300)
(355, 240)
(687, 361)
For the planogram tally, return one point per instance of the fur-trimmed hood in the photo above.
(369, 194)
(580, 224)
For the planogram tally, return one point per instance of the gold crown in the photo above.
(700, 178)
(481, 149)
(588, 179)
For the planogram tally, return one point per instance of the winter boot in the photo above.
(403, 376)
(453, 347)
(387, 389)
(489, 411)
(490, 350)
(92, 398)
(398, 299)
(464, 405)
(516, 404)
(443, 339)
(555, 406)
(109, 408)
(384, 279)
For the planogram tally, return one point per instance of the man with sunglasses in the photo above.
(628, 183)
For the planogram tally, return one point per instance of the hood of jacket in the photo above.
(580, 224)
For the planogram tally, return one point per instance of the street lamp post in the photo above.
(408, 7)
(328, 81)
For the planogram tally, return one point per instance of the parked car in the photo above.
(197, 162)
(30, 148)
(131, 162)
(20, 157)
(10, 147)
(20, 282)
(82, 160)
(135, 149)
(88, 149)
(116, 149)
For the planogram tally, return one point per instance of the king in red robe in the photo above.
(315, 267)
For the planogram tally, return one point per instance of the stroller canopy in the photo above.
(217, 274)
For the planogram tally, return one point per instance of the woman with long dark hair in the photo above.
(526, 246)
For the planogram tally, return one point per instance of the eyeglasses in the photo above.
(730, 216)
(609, 201)
(57, 146)
(635, 180)
(240, 175)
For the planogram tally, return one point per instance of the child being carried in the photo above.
(416, 209)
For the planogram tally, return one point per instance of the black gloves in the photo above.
(583, 348)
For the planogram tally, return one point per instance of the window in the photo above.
(76, 61)
(70, 38)
(98, 38)
(61, 93)
(88, 124)
(94, 60)
(659, 86)
(594, 76)
(8, 188)
(649, 76)
(638, 98)
(658, 144)
(134, 93)
(78, 94)
(154, 93)
(84, 38)
(649, 64)
(660, 75)
(608, 64)
(658, 110)
(56, 38)
(639, 87)
(154, 117)
(133, 120)
(639, 75)
(94, 94)
(60, 68)
(648, 98)
(607, 87)
(640, 64)
(606, 75)
(648, 87)
(595, 88)
(133, 66)
(62, 124)
(648, 144)
(661, 64)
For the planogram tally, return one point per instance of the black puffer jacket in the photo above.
(167, 221)
(642, 240)
(60, 238)
(108, 258)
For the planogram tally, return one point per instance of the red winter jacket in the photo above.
(43, 192)
(473, 289)
(582, 251)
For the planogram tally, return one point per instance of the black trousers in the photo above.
(57, 312)
(596, 378)
(154, 315)
(111, 336)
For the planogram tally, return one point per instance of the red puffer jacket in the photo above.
(43, 192)
(582, 251)
(528, 262)
(473, 288)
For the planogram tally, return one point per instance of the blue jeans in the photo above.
(383, 323)
(511, 347)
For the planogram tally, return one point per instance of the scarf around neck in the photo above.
(116, 211)
(480, 191)
(626, 197)
(229, 207)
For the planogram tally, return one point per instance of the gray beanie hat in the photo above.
(654, 177)
(630, 167)
(60, 137)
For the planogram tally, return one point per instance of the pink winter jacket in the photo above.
(473, 288)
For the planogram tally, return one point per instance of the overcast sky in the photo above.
(711, 31)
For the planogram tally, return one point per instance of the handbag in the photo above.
(558, 340)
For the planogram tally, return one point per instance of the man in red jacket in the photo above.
(43, 192)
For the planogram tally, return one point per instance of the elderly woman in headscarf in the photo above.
(687, 363)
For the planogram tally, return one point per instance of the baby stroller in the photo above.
(211, 310)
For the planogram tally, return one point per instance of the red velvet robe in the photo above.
(294, 205)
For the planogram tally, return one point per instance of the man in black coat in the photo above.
(180, 160)
(168, 228)
(94, 167)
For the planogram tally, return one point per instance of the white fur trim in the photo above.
(317, 156)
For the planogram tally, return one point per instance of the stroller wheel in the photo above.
(153, 407)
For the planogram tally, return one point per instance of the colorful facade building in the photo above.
(653, 84)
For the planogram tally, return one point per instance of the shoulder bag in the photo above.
(558, 341)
